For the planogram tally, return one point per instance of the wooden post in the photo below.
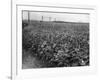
(42, 18)
(55, 19)
(49, 18)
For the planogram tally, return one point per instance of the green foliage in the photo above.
(58, 49)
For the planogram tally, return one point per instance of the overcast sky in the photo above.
(56, 16)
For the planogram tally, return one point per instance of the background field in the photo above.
(55, 44)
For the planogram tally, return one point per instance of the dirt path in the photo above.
(30, 62)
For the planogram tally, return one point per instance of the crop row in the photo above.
(58, 50)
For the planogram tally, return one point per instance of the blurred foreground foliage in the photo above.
(58, 49)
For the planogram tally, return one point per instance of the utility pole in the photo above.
(22, 15)
(28, 16)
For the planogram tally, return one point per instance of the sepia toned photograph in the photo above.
(55, 39)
